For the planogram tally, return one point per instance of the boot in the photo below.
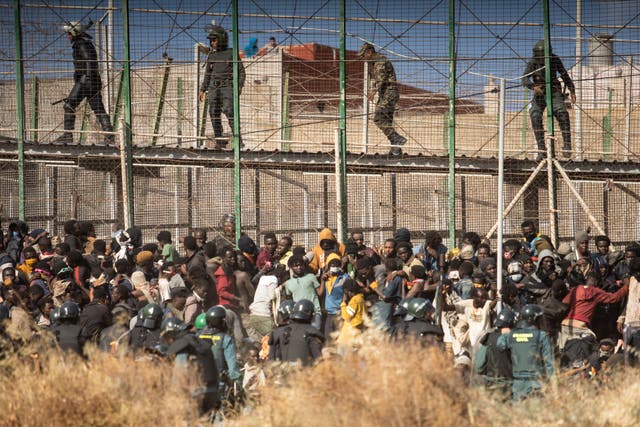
(65, 138)
(105, 124)
(566, 151)
(398, 139)
(395, 151)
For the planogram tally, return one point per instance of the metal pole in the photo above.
(127, 123)
(338, 177)
(627, 111)
(124, 176)
(500, 189)
(110, 76)
(166, 69)
(519, 194)
(452, 125)
(196, 94)
(35, 110)
(236, 122)
(553, 198)
(343, 125)
(578, 79)
(17, 31)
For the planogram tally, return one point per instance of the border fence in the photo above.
(312, 156)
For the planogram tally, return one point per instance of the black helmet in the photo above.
(55, 314)
(538, 48)
(303, 311)
(69, 311)
(506, 318)
(418, 307)
(217, 32)
(285, 309)
(402, 309)
(530, 313)
(172, 325)
(216, 316)
(151, 315)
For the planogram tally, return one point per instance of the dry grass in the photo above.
(101, 391)
(381, 384)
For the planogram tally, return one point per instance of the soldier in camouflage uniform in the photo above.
(534, 78)
(383, 78)
(218, 82)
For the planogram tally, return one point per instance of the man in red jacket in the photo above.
(582, 301)
(228, 296)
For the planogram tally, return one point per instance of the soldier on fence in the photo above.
(534, 78)
(218, 82)
(87, 83)
(383, 78)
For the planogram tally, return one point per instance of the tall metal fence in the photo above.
(449, 58)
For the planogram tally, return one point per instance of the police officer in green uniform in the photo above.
(218, 81)
(223, 349)
(534, 79)
(383, 77)
(531, 355)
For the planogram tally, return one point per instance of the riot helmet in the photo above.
(151, 316)
(303, 311)
(216, 316)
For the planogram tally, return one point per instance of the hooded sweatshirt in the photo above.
(333, 288)
(319, 255)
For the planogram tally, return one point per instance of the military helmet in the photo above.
(217, 32)
(151, 315)
(303, 311)
(285, 309)
(201, 321)
(530, 313)
(216, 316)
(171, 326)
(55, 314)
(506, 318)
(69, 311)
(538, 48)
(75, 28)
(418, 307)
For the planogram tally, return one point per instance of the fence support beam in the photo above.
(236, 121)
(344, 220)
(452, 124)
(17, 31)
(551, 178)
(166, 68)
(127, 122)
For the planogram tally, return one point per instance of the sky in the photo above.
(493, 37)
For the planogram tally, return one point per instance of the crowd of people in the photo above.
(224, 306)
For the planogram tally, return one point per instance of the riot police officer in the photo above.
(275, 337)
(218, 81)
(534, 78)
(223, 349)
(146, 332)
(189, 351)
(67, 332)
(492, 363)
(417, 322)
(301, 342)
(531, 355)
(87, 83)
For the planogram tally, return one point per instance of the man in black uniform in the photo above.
(218, 82)
(300, 341)
(417, 322)
(146, 332)
(534, 78)
(491, 362)
(189, 351)
(87, 83)
(68, 331)
(275, 337)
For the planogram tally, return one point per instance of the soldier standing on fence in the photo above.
(383, 78)
(87, 83)
(218, 82)
(534, 78)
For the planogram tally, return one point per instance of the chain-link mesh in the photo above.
(290, 102)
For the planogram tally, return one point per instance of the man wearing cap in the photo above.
(218, 82)
(87, 83)
(383, 78)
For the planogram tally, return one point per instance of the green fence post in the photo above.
(166, 68)
(35, 102)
